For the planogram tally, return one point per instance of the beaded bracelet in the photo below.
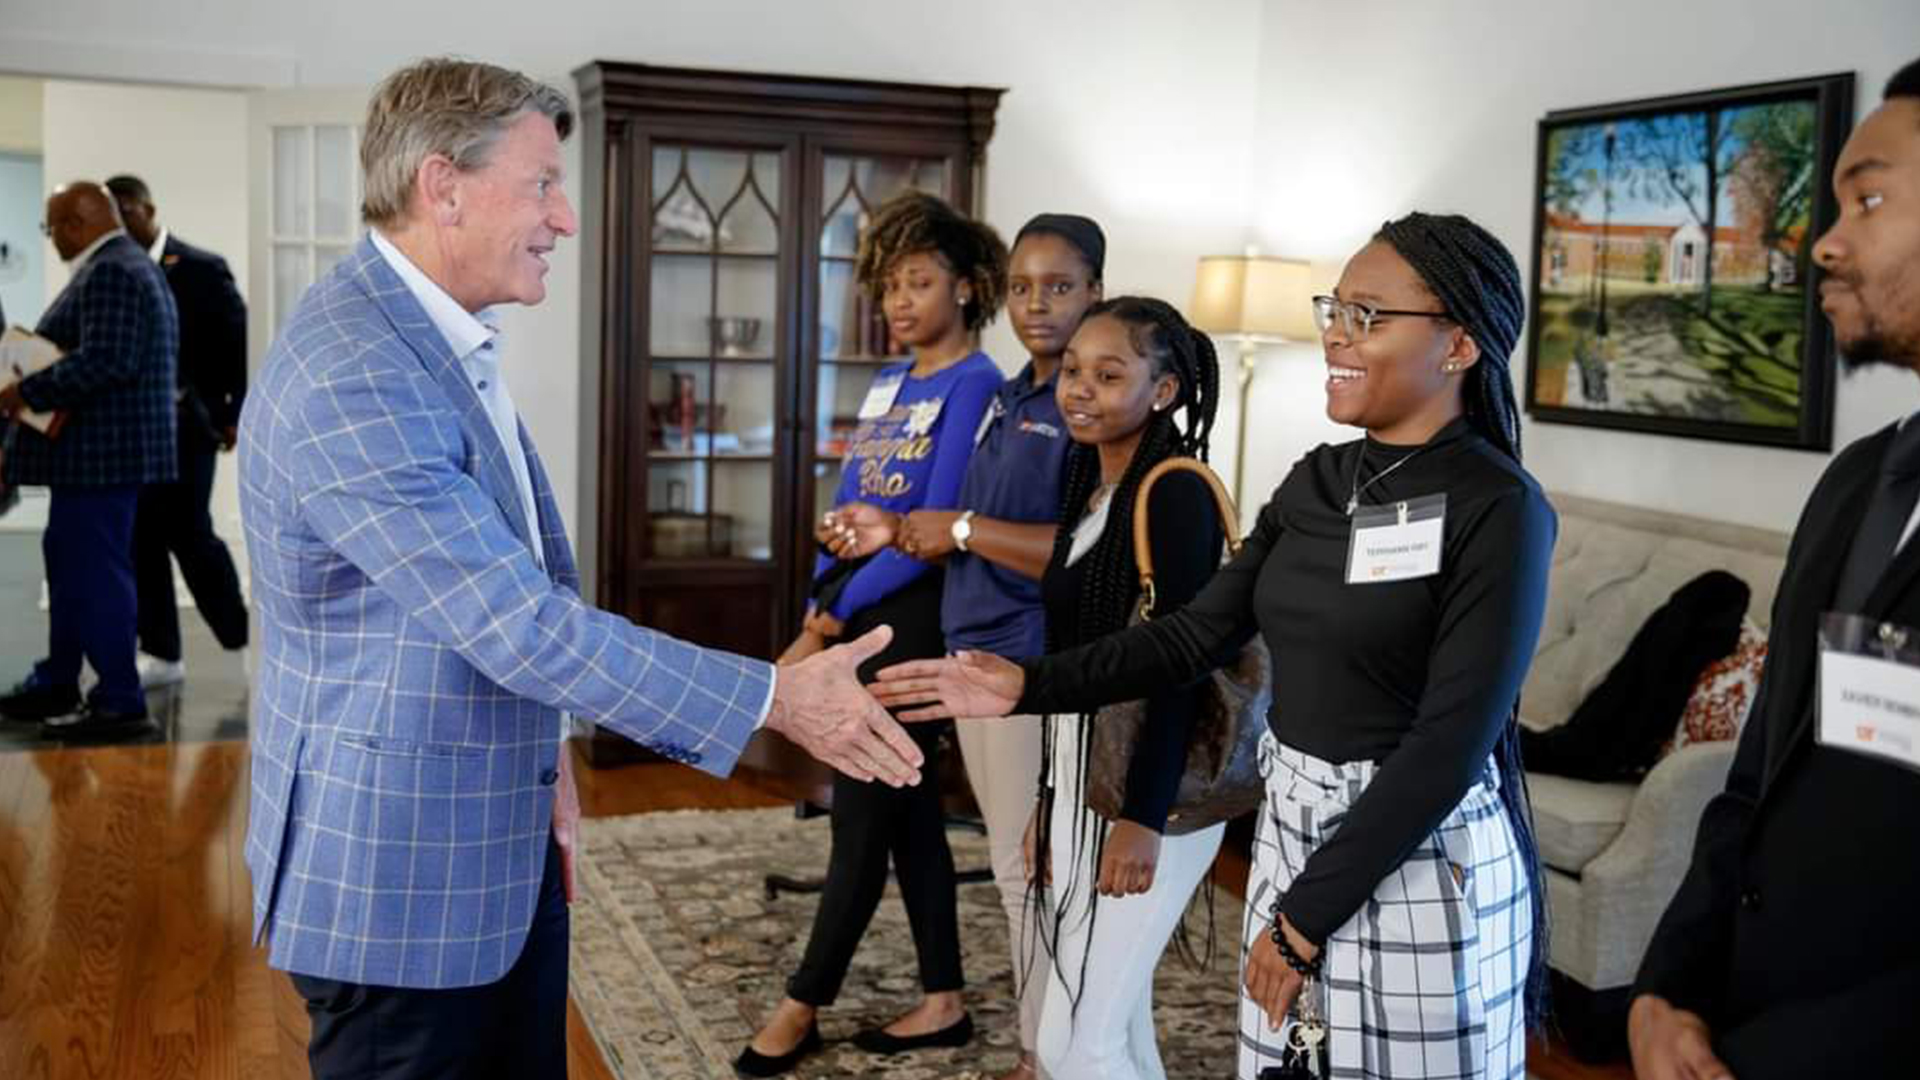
(1306, 969)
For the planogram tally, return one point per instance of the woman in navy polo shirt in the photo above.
(995, 548)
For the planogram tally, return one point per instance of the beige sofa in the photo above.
(1615, 853)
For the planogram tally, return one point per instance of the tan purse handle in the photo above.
(1143, 549)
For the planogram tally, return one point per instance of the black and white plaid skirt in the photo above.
(1428, 979)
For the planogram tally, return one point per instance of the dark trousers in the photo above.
(174, 521)
(514, 1029)
(873, 823)
(88, 547)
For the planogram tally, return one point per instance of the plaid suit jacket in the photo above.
(414, 658)
(117, 325)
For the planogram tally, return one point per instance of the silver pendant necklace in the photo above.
(1356, 489)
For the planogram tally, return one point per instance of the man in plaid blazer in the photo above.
(421, 629)
(116, 326)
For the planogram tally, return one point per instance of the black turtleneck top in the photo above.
(1420, 676)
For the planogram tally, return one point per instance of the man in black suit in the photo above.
(174, 518)
(1791, 948)
(116, 328)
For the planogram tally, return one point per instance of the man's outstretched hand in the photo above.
(819, 703)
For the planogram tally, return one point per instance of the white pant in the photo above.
(1109, 1033)
(1003, 765)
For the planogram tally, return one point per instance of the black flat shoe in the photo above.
(93, 723)
(32, 704)
(753, 1063)
(877, 1041)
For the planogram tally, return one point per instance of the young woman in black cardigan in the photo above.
(1137, 386)
(1395, 878)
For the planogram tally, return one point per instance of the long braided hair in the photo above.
(1476, 280)
(1110, 587)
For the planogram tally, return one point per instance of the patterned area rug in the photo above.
(678, 953)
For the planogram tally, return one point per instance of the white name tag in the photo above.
(1870, 689)
(880, 397)
(1397, 542)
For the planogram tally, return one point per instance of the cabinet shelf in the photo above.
(677, 164)
(685, 253)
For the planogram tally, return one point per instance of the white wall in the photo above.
(1370, 108)
(1135, 112)
(20, 105)
(190, 146)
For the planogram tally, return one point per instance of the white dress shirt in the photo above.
(159, 247)
(475, 341)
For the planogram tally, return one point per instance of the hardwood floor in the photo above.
(125, 911)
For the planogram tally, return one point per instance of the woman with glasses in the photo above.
(1400, 581)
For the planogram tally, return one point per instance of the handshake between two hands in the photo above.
(820, 704)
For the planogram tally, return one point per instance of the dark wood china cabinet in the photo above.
(720, 215)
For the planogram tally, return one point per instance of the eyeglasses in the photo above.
(1357, 319)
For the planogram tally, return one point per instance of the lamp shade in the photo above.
(1254, 296)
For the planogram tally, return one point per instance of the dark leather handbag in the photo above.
(1222, 779)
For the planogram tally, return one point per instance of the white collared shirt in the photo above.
(87, 252)
(475, 341)
(159, 247)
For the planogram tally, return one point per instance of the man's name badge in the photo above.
(1870, 688)
(1396, 542)
(880, 397)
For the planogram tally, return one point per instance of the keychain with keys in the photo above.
(1303, 1057)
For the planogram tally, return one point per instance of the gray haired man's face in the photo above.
(512, 212)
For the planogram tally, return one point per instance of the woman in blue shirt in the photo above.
(994, 548)
(939, 277)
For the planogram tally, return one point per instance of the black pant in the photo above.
(174, 520)
(514, 1029)
(872, 822)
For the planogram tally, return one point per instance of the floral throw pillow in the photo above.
(1724, 693)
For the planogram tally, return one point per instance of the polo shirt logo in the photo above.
(1039, 427)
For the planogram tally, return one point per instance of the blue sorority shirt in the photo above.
(1014, 476)
(911, 457)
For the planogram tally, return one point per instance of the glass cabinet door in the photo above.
(712, 394)
(852, 332)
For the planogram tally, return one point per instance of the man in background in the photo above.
(174, 519)
(116, 329)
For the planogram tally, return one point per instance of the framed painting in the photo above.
(1673, 277)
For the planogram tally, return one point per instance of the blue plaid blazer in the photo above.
(117, 325)
(414, 659)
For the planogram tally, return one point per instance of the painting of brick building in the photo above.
(1673, 252)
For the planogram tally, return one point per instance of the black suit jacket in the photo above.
(1863, 985)
(213, 340)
